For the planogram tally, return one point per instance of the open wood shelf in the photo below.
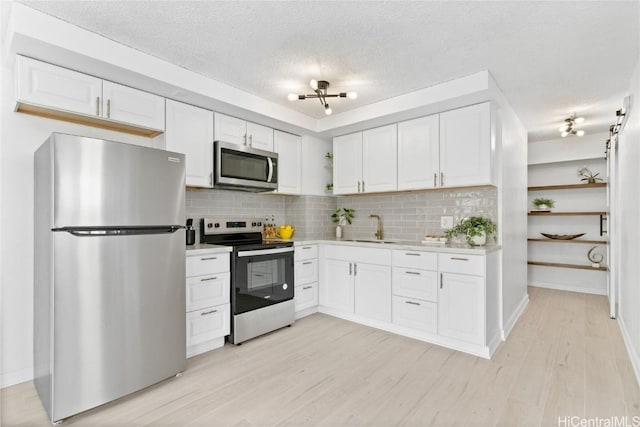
(575, 266)
(593, 242)
(534, 213)
(567, 186)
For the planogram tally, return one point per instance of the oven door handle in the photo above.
(264, 252)
(270, 177)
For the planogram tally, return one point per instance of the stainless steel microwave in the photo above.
(238, 167)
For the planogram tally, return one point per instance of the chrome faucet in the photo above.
(379, 230)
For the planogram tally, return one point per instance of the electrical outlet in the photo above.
(446, 222)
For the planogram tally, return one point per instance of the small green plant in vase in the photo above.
(340, 217)
(543, 204)
(475, 229)
(588, 176)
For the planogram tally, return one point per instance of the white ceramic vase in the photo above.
(338, 232)
(480, 240)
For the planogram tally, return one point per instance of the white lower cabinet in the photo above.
(372, 291)
(306, 276)
(207, 297)
(337, 287)
(415, 314)
(461, 307)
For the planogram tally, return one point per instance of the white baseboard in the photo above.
(511, 321)
(306, 312)
(13, 378)
(569, 288)
(633, 355)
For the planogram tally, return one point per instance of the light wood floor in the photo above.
(565, 357)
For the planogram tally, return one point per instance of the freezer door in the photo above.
(119, 316)
(105, 183)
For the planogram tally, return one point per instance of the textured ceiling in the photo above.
(550, 58)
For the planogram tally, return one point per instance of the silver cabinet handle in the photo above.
(411, 254)
(412, 302)
(307, 263)
(435, 179)
(460, 259)
(251, 140)
(440, 280)
(355, 269)
(441, 179)
(245, 139)
(208, 312)
(307, 247)
(415, 273)
(97, 106)
(208, 259)
(350, 269)
(108, 108)
(363, 186)
(358, 186)
(207, 279)
(307, 287)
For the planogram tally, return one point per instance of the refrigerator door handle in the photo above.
(118, 231)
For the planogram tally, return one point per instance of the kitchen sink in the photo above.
(372, 241)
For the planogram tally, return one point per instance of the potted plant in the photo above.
(475, 229)
(543, 204)
(340, 217)
(588, 176)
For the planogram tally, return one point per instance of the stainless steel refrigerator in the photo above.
(109, 265)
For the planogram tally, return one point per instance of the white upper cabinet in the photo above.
(238, 131)
(56, 92)
(190, 131)
(379, 159)
(365, 162)
(419, 153)
(289, 149)
(347, 163)
(134, 106)
(43, 84)
(465, 146)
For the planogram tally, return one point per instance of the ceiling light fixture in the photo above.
(569, 126)
(320, 88)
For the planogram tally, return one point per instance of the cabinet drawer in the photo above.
(305, 252)
(207, 291)
(414, 283)
(415, 259)
(462, 264)
(306, 271)
(306, 296)
(207, 324)
(415, 314)
(207, 264)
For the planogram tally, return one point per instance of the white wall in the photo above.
(629, 212)
(21, 135)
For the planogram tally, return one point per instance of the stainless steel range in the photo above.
(262, 276)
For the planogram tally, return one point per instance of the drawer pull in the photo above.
(307, 263)
(440, 280)
(207, 279)
(411, 254)
(307, 247)
(460, 259)
(350, 269)
(412, 302)
(415, 273)
(208, 259)
(307, 287)
(208, 312)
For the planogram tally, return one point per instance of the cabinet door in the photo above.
(465, 146)
(260, 137)
(133, 106)
(306, 296)
(230, 129)
(415, 314)
(379, 159)
(289, 149)
(413, 283)
(419, 153)
(44, 84)
(207, 324)
(347, 163)
(208, 291)
(373, 291)
(337, 286)
(306, 271)
(190, 131)
(461, 307)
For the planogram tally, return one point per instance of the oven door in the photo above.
(262, 277)
(245, 168)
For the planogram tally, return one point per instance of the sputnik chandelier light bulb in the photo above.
(320, 88)
(569, 126)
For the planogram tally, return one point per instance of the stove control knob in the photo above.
(253, 224)
(217, 225)
(259, 224)
(209, 225)
(285, 286)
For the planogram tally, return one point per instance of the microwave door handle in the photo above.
(270, 176)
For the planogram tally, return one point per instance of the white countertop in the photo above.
(201, 249)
